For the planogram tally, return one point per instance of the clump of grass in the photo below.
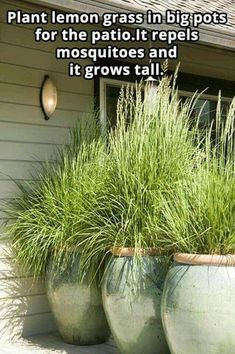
(200, 218)
(155, 182)
(150, 151)
(45, 226)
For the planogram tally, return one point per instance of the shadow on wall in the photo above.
(24, 309)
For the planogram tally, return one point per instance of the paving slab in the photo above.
(52, 344)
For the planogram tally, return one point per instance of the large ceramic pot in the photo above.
(77, 307)
(198, 305)
(131, 291)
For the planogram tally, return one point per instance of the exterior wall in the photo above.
(25, 139)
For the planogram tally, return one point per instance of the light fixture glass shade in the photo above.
(150, 92)
(48, 97)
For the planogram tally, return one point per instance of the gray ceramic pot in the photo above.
(77, 307)
(198, 305)
(131, 296)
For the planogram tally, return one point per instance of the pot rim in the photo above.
(205, 259)
(67, 249)
(132, 251)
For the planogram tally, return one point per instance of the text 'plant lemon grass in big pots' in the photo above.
(150, 149)
(198, 304)
(44, 234)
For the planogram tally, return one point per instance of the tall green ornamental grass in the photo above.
(200, 218)
(154, 182)
(150, 151)
(45, 226)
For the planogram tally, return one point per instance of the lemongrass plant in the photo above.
(44, 225)
(200, 219)
(150, 151)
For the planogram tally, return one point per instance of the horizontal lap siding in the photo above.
(26, 139)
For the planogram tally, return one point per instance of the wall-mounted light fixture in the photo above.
(150, 91)
(48, 97)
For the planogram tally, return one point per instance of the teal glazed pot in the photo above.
(131, 292)
(77, 307)
(198, 305)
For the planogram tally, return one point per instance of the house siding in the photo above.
(25, 140)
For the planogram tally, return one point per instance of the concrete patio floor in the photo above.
(52, 344)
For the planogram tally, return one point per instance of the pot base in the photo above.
(77, 307)
(131, 296)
